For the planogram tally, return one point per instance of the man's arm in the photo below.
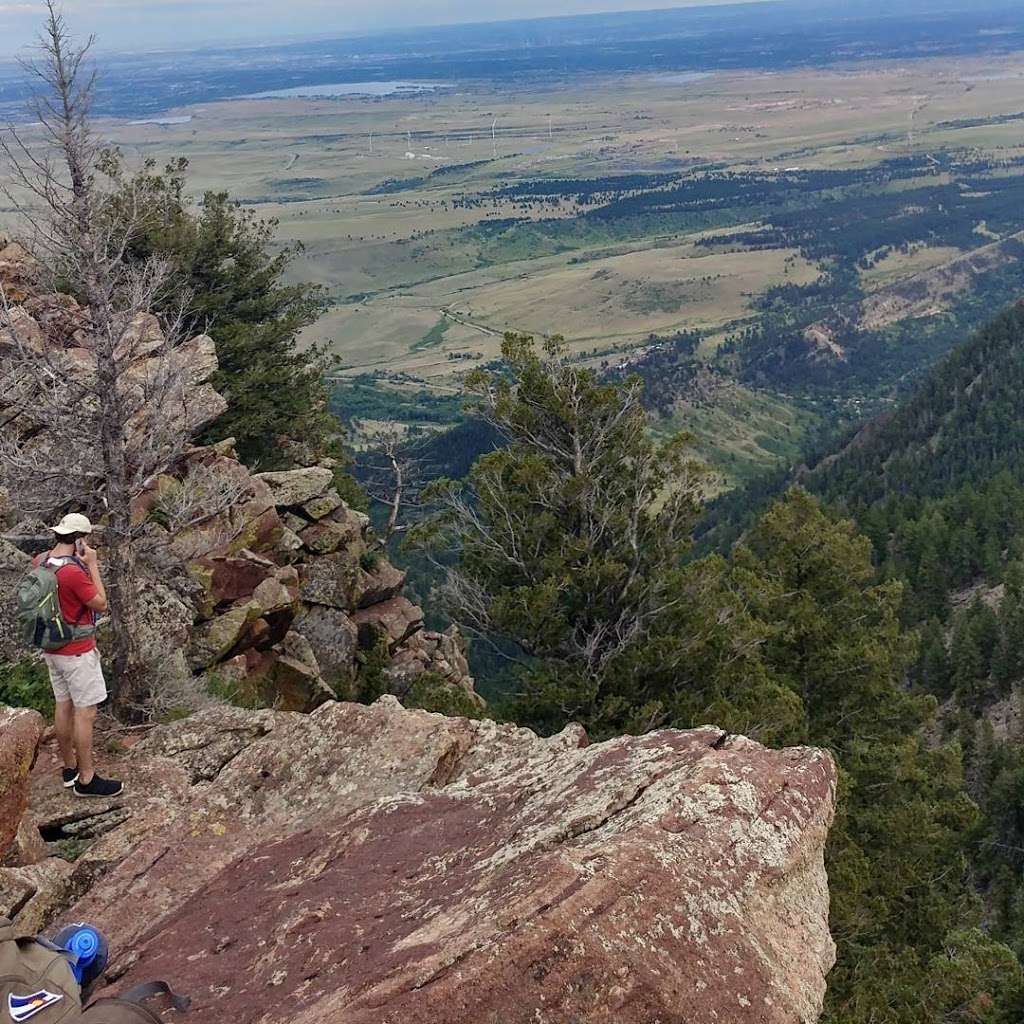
(91, 560)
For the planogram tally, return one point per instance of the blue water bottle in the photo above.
(89, 948)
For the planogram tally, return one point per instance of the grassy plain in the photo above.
(391, 197)
(395, 262)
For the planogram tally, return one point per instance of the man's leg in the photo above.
(89, 690)
(84, 719)
(63, 714)
(63, 723)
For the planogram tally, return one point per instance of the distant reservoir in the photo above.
(349, 89)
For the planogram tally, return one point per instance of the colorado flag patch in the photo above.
(23, 1007)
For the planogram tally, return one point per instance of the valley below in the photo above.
(818, 237)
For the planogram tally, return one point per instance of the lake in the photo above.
(348, 89)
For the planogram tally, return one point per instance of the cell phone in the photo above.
(80, 546)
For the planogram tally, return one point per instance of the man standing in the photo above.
(75, 671)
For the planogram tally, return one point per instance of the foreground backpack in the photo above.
(38, 984)
(40, 620)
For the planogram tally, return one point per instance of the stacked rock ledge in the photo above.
(283, 591)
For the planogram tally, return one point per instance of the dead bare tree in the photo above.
(99, 402)
(395, 472)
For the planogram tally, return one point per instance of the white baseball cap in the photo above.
(73, 522)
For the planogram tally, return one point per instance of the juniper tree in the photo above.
(570, 537)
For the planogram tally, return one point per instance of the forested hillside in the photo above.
(938, 487)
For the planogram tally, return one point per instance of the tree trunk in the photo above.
(127, 687)
(127, 684)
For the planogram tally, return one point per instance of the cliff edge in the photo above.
(374, 864)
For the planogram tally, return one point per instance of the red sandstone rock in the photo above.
(396, 620)
(228, 579)
(20, 731)
(382, 584)
(376, 866)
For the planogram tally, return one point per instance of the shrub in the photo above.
(26, 684)
(432, 692)
(369, 560)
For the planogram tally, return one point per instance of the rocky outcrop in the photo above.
(20, 731)
(284, 612)
(13, 565)
(374, 865)
(442, 655)
(284, 590)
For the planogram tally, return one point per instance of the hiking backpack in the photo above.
(37, 985)
(40, 621)
(130, 1008)
(36, 981)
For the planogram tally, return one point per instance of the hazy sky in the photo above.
(166, 23)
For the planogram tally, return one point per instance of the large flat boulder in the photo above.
(375, 865)
(295, 487)
(20, 731)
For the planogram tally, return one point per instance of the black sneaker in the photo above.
(99, 787)
(70, 777)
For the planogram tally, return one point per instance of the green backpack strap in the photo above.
(81, 631)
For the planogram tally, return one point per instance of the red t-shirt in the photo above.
(74, 589)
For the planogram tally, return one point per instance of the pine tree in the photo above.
(968, 663)
(933, 668)
(932, 583)
(836, 637)
(984, 624)
(227, 279)
(900, 902)
(1008, 659)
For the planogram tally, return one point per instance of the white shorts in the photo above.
(77, 677)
